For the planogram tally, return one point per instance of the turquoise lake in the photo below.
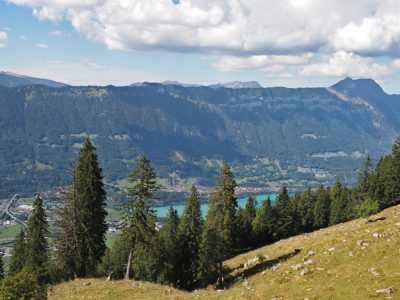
(162, 211)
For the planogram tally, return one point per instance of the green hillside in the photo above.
(352, 260)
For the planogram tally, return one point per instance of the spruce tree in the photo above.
(190, 230)
(140, 220)
(338, 206)
(36, 254)
(220, 226)
(249, 213)
(285, 223)
(2, 274)
(18, 254)
(321, 209)
(169, 244)
(262, 224)
(306, 210)
(90, 202)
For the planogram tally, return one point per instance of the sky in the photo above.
(293, 43)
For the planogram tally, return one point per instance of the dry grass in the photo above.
(349, 271)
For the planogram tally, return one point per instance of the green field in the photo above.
(9, 232)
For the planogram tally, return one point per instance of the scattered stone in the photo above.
(382, 235)
(245, 283)
(86, 283)
(373, 271)
(331, 249)
(311, 253)
(308, 262)
(362, 243)
(320, 269)
(387, 290)
(263, 272)
(351, 253)
(304, 272)
(252, 261)
(220, 291)
(297, 267)
(397, 224)
(134, 284)
(277, 298)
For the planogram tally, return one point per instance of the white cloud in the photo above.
(232, 63)
(342, 64)
(236, 26)
(3, 37)
(23, 37)
(41, 46)
(396, 63)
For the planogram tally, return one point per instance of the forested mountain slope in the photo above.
(270, 136)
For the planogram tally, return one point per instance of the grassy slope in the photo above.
(336, 274)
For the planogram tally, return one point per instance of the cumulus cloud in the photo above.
(3, 37)
(245, 34)
(244, 26)
(233, 63)
(41, 46)
(343, 63)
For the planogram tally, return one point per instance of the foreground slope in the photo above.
(347, 261)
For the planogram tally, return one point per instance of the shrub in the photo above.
(22, 286)
(367, 208)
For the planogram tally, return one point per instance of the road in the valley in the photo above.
(8, 212)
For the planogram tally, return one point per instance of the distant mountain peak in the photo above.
(9, 79)
(351, 86)
(239, 85)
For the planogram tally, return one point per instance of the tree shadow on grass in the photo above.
(257, 268)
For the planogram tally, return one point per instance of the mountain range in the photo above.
(271, 136)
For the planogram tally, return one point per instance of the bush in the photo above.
(367, 208)
(22, 286)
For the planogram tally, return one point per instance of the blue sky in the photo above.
(277, 43)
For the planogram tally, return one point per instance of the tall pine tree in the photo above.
(18, 254)
(218, 239)
(190, 229)
(285, 223)
(321, 208)
(36, 254)
(262, 224)
(245, 219)
(140, 224)
(169, 246)
(81, 240)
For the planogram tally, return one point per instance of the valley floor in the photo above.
(353, 260)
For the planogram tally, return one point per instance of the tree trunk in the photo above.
(220, 275)
(128, 266)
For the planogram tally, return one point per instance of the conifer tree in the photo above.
(338, 206)
(67, 241)
(81, 240)
(218, 239)
(321, 209)
(285, 223)
(306, 211)
(262, 224)
(36, 254)
(190, 229)
(2, 274)
(169, 244)
(18, 254)
(141, 219)
(249, 213)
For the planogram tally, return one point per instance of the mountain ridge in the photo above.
(271, 136)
